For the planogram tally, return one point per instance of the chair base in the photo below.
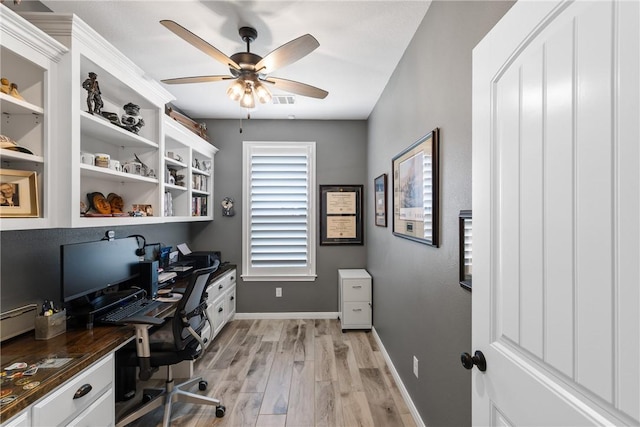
(158, 397)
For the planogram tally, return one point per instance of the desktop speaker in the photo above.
(149, 278)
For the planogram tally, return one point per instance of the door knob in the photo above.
(477, 359)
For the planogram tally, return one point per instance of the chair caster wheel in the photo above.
(202, 385)
(146, 398)
(220, 410)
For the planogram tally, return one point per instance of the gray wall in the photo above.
(419, 307)
(30, 259)
(341, 159)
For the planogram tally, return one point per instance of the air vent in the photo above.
(283, 99)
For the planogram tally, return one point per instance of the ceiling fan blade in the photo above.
(297, 87)
(287, 53)
(196, 41)
(196, 79)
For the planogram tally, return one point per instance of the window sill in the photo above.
(292, 278)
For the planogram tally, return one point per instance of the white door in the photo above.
(556, 216)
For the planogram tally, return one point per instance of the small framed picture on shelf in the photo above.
(19, 194)
(142, 210)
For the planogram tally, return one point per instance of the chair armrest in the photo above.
(142, 324)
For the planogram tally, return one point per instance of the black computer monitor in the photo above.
(90, 267)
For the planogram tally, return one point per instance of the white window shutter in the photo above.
(279, 211)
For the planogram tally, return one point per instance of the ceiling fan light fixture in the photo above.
(236, 91)
(263, 94)
(249, 70)
(247, 100)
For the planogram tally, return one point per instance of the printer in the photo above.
(202, 259)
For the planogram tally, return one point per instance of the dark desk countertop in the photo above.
(82, 346)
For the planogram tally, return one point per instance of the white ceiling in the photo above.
(361, 43)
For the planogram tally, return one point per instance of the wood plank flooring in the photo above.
(290, 373)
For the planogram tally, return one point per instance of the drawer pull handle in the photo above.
(357, 309)
(356, 286)
(232, 298)
(233, 278)
(220, 310)
(221, 286)
(82, 391)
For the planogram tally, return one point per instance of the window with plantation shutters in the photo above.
(279, 211)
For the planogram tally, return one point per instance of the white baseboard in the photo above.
(301, 315)
(396, 377)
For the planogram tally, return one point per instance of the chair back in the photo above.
(190, 312)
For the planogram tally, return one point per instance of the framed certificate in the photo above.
(341, 215)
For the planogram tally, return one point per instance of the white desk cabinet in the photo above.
(60, 408)
(355, 299)
(221, 302)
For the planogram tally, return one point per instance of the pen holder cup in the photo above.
(51, 326)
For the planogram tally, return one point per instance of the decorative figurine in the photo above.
(116, 203)
(5, 87)
(10, 88)
(227, 207)
(131, 119)
(98, 203)
(112, 117)
(94, 98)
(14, 92)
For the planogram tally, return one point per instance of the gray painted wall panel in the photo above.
(341, 159)
(419, 307)
(30, 259)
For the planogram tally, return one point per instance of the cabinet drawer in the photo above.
(216, 314)
(98, 414)
(356, 290)
(356, 314)
(60, 405)
(230, 302)
(206, 334)
(23, 419)
(220, 285)
(219, 316)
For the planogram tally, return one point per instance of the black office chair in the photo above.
(182, 341)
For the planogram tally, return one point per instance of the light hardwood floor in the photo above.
(292, 373)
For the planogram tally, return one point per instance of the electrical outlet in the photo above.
(278, 292)
(415, 366)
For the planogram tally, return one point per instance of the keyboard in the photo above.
(138, 307)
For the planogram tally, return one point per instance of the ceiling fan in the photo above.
(249, 71)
